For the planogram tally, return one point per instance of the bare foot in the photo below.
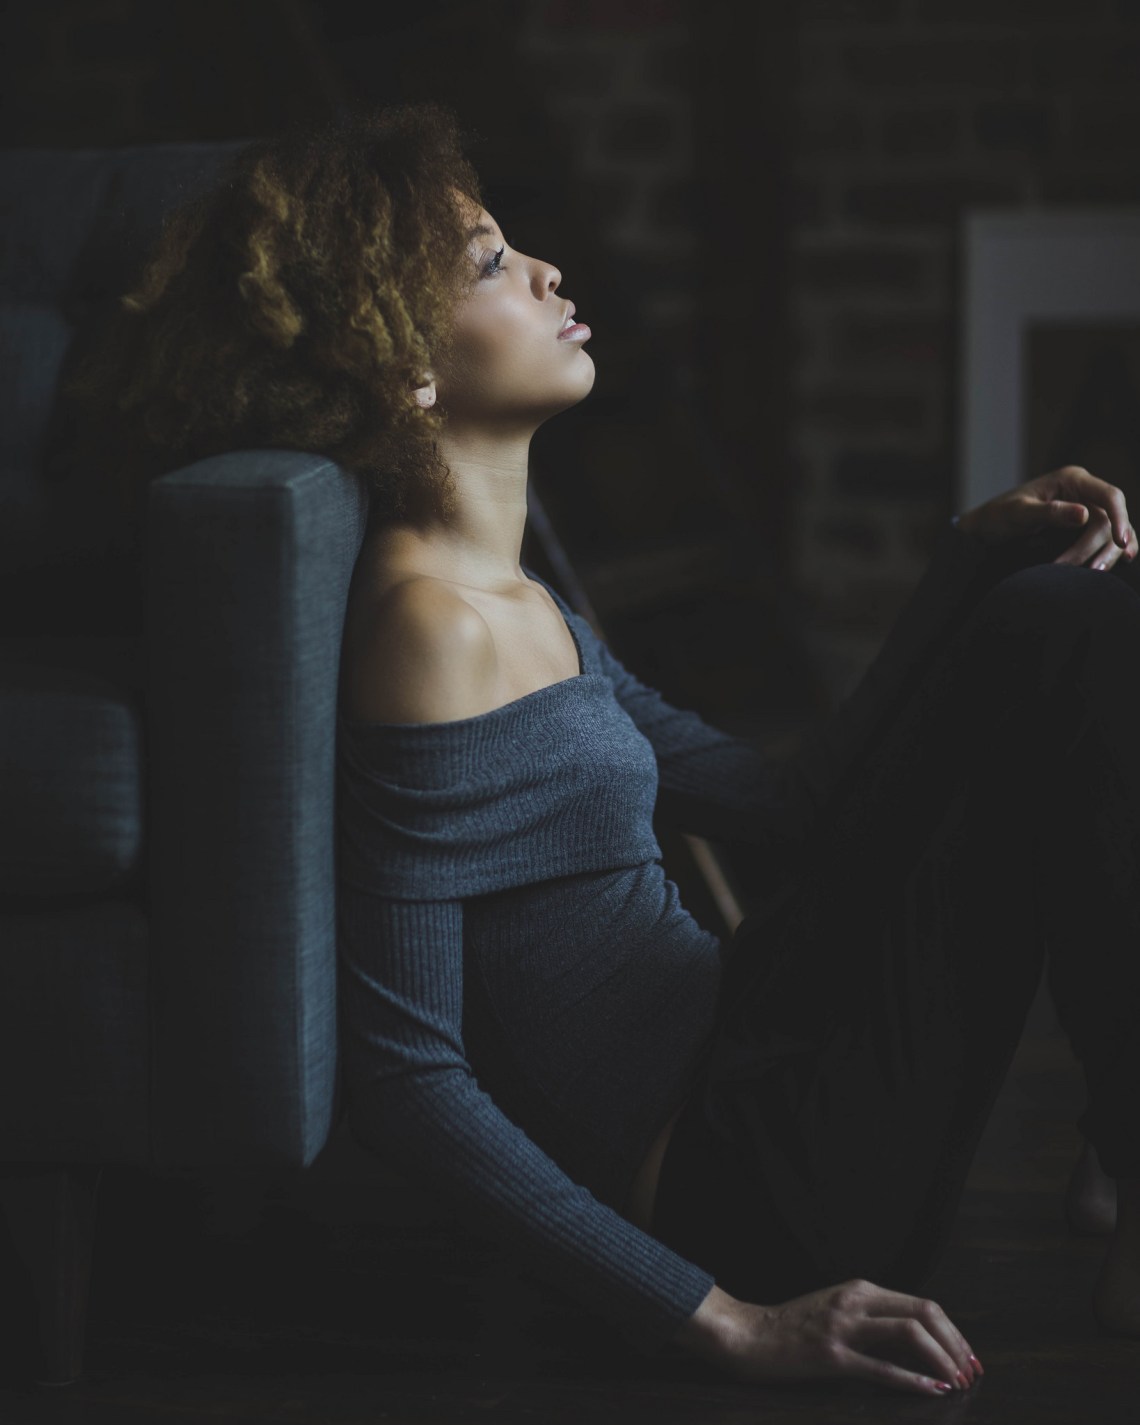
(1090, 1198)
(1116, 1296)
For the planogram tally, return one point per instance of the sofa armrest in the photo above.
(248, 561)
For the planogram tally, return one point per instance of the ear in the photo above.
(426, 393)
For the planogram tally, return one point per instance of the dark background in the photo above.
(754, 206)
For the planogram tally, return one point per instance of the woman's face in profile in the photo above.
(508, 365)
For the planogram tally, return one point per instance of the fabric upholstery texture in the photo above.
(249, 558)
(75, 227)
(167, 727)
(71, 766)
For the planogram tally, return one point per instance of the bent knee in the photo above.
(1050, 597)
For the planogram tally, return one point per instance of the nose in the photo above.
(549, 276)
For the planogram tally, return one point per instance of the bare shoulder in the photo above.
(421, 653)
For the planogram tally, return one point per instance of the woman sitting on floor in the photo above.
(751, 1149)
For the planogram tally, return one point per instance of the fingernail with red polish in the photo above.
(977, 1365)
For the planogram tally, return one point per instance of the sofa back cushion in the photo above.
(76, 226)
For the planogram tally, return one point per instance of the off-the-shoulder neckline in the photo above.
(354, 725)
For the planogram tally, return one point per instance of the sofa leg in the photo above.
(51, 1218)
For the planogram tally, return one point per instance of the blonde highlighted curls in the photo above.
(292, 305)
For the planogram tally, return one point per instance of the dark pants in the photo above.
(871, 1009)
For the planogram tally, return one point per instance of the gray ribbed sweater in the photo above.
(524, 1000)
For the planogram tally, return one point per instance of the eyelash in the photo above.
(495, 265)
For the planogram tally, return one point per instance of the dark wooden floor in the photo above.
(344, 1300)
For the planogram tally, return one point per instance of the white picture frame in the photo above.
(1018, 267)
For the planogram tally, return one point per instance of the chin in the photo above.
(582, 392)
(566, 393)
(593, 373)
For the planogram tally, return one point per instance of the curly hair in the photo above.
(295, 303)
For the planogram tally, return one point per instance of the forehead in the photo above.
(479, 223)
(483, 226)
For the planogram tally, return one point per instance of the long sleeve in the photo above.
(711, 782)
(414, 1098)
(730, 787)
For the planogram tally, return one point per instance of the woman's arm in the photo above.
(414, 1099)
(731, 787)
(406, 801)
(711, 782)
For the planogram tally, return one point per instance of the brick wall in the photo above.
(103, 73)
(614, 84)
(616, 81)
(908, 113)
(903, 114)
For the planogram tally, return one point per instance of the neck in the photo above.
(479, 540)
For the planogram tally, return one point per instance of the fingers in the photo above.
(854, 1363)
(856, 1329)
(934, 1332)
(1065, 512)
(932, 1316)
(1095, 546)
(915, 1335)
(1078, 482)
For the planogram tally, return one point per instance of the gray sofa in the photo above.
(167, 738)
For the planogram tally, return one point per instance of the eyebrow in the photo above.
(481, 231)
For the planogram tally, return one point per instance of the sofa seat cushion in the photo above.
(71, 780)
